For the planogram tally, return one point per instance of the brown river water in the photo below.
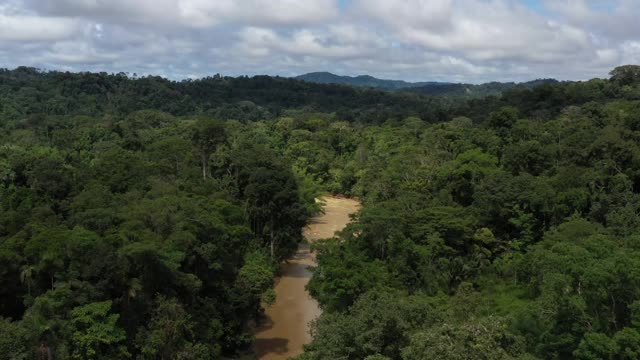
(286, 327)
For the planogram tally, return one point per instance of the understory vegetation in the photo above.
(144, 218)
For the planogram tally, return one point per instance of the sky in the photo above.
(415, 40)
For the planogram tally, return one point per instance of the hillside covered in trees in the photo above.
(433, 88)
(362, 81)
(144, 218)
(28, 91)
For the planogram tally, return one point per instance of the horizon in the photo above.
(134, 75)
(444, 82)
(458, 41)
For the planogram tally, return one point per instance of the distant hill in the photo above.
(433, 88)
(362, 81)
(471, 90)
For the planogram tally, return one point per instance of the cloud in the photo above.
(339, 42)
(613, 20)
(72, 52)
(435, 15)
(193, 13)
(443, 40)
(35, 28)
(480, 30)
(631, 52)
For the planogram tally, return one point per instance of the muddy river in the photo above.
(286, 327)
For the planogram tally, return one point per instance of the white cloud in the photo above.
(612, 19)
(607, 56)
(480, 30)
(444, 40)
(72, 52)
(35, 28)
(422, 14)
(326, 43)
(194, 13)
(631, 52)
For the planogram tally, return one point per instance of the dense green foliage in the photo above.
(493, 88)
(29, 92)
(426, 88)
(496, 228)
(510, 235)
(363, 81)
(148, 237)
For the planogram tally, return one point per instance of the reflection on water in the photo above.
(286, 327)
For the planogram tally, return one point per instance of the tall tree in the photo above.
(207, 135)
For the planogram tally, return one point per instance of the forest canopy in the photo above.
(144, 218)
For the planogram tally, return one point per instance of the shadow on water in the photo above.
(265, 323)
(300, 272)
(317, 221)
(267, 346)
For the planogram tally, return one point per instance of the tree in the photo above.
(628, 343)
(378, 324)
(276, 213)
(95, 333)
(626, 75)
(343, 275)
(51, 177)
(579, 274)
(595, 346)
(484, 339)
(207, 135)
(255, 279)
(504, 118)
(170, 154)
(169, 334)
(14, 341)
(120, 169)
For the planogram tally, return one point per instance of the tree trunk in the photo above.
(272, 245)
(44, 352)
(203, 157)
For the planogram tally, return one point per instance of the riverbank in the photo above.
(286, 327)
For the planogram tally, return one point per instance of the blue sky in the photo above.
(535, 5)
(416, 40)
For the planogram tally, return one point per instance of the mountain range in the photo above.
(428, 88)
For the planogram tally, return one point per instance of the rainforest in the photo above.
(147, 218)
